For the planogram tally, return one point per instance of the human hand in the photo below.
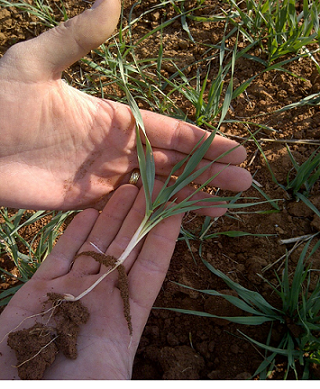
(105, 348)
(63, 149)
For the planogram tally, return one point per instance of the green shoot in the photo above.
(278, 24)
(305, 175)
(41, 9)
(165, 203)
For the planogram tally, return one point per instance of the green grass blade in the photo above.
(6, 295)
(276, 350)
(231, 299)
(235, 234)
(145, 158)
(247, 295)
(246, 320)
(308, 203)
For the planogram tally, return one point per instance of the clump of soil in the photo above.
(35, 350)
(36, 347)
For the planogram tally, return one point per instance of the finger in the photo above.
(56, 49)
(227, 177)
(106, 228)
(59, 261)
(172, 134)
(149, 270)
(128, 229)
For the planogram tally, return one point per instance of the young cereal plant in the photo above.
(165, 204)
(278, 22)
(305, 176)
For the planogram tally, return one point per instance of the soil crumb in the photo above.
(36, 347)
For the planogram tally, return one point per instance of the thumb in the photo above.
(46, 56)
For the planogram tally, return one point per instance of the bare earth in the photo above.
(177, 346)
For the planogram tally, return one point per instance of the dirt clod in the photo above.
(35, 350)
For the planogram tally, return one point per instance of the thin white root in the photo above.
(39, 352)
(130, 343)
(26, 318)
(96, 247)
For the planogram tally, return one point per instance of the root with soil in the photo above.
(109, 261)
(36, 347)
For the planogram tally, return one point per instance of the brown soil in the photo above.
(36, 347)
(179, 346)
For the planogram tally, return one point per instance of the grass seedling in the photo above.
(41, 9)
(305, 176)
(279, 24)
(300, 183)
(165, 204)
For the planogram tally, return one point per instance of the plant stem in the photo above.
(138, 235)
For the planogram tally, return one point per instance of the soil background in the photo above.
(179, 346)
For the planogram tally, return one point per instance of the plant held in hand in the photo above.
(165, 204)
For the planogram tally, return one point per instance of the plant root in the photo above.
(27, 318)
(110, 261)
(36, 347)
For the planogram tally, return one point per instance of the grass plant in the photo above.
(278, 23)
(305, 175)
(165, 203)
(300, 179)
(299, 313)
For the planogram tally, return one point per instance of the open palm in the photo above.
(63, 149)
(105, 348)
